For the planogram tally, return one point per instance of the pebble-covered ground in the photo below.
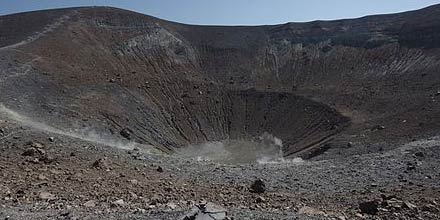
(48, 176)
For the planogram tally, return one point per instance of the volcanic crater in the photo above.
(111, 114)
(316, 86)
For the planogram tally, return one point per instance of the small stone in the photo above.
(134, 181)
(42, 177)
(126, 133)
(65, 214)
(51, 139)
(101, 163)
(409, 205)
(35, 144)
(47, 159)
(378, 127)
(33, 149)
(206, 211)
(369, 207)
(156, 199)
(258, 186)
(171, 205)
(428, 208)
(392, 203)
(410, 167)
(35, 161)
(41, 151)
(260, 199)
(133, 195)
(29, 152)
(159, 169)
(310, 211)
(140, 211)
(46, 196)
(119, 202)
(419, 154)
(90, 204)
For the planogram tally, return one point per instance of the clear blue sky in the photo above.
(233, 12)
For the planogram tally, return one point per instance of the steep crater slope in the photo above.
(314, 85)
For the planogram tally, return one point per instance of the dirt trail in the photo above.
(24, 69)
(49, 28)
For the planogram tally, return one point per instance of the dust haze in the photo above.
(86, 134)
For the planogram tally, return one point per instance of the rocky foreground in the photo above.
(47, 176)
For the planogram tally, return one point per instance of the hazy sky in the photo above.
(230, 12)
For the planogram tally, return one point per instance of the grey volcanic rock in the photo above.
(206, 211)
(258, 186)
(369, 207)
(126, 133)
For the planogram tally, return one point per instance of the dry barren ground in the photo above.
(47, 176)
